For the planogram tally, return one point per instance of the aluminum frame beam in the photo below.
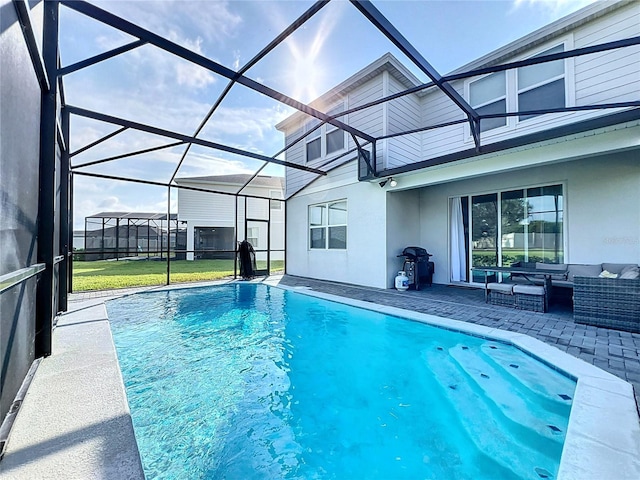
(46, 199)
(24, 17)
(99, 58)
(386, 27)
(98, 142)
(184, 138)
(204, 62)
(130, 154)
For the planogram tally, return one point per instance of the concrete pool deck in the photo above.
(75, 423)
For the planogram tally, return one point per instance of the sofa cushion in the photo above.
(615, 267)
(505, 288)
(583, 271)
(561, 267)
(528, 289)
(630, 272)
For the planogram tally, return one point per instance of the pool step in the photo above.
(555, 392)
(523, 410)
(494, 434)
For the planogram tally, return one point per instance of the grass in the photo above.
(107, 275)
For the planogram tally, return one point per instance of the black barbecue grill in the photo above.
(417, 267)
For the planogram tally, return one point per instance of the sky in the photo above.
(153, 87)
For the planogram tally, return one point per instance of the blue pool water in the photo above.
(243, 381)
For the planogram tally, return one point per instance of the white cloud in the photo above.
(251, 123)
(214, 19)
(189, 74)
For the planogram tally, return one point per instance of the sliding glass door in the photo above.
(507, 227)
(484, 233)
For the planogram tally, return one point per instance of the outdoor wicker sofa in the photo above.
(598, 299)
(607, 302)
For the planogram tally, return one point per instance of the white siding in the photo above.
(403, 114)
(207, 207)
(437, 108)
(608, 77)
(368, 121)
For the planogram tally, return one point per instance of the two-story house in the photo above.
(541, 185)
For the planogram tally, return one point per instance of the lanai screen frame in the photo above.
(56, 129)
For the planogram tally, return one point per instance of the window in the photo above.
(535, 87)
(252, 236)
(541, 86)
(334, 136)
(275, 204)
(326, 140)
(314, 140)
(517, 225)
(328, 226)
(489, 95)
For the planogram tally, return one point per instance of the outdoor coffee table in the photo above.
(526, 273)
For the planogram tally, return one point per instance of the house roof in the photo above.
(133, 215)
(236, 179)
(387, 62)
(501, 55)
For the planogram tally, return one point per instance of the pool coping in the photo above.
(594, 447)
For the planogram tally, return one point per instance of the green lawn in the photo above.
(105, 275)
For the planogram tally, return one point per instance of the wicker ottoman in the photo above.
(500, 294)
(529, 297)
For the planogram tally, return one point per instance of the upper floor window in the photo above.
(328, 225)
(326, 140)
(489, 95)
(275, 204)
(541, 86)
(535, 87)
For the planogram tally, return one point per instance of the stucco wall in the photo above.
(602, 208)
(363, 262)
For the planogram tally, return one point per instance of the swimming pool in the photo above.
(247, 381)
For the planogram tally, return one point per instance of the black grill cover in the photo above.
(415, 252)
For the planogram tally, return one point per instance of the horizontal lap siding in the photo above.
(403, 114)
(296, 178)
(600, 78)
(612, 76)
(437, 108)
(368, 120)
(206, 206)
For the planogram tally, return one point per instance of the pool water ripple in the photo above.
(250, 382)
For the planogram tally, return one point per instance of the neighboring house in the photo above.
(210, 218)
(554, 187)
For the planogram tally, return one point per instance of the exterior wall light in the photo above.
(391, 181)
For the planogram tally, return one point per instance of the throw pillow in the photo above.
(606, 274)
